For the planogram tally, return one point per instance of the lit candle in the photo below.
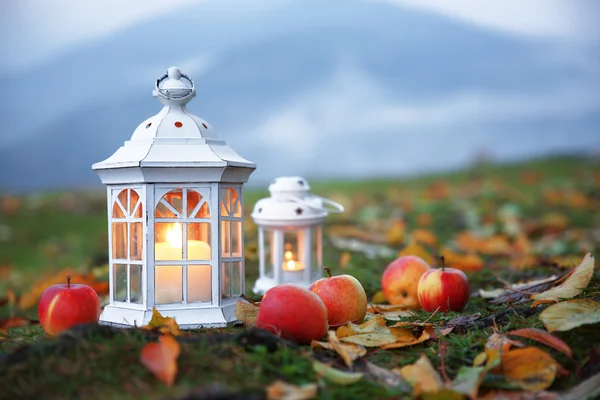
(168, 281)
(292, 270)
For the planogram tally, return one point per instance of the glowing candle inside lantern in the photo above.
(292, 269)
(168, 281)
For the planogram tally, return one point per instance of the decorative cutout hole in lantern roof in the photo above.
(290, 233)
(175, 217)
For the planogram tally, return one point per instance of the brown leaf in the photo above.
(405, 338)
(246, 312)
(464, 262)
(31, 298)
(422, 377)
(5, 272)
(347, 351)
(280, 390)
(529, 368)
(414, 249)
(372, 333)
(388, 378)
(161, 358)
(16, 322)
(424, 236)
(573, 285)
(570, 314)
(523, 289)
(162, 324)
(544, 337)
(389, 311)
(498, 345)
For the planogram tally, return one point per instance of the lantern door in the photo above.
(232, 246)
(127, 233)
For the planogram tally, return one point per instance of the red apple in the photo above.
(343, 296)
(400, 279)
(63, 306)
(293, 312)
(446, 288)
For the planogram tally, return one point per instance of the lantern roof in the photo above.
(174, 137)
(291, 204)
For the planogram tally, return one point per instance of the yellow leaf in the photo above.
(373, 333)
(424, 236)
(347, 351)
(378, 297)
(345, 258)
(246, 312)
(570, 314)
(422, 377)
(414, 249)
(405, 338)
(336, 376)
(529, 368)
(161, 358)
(162, 324)
(389, 311)
(280, 390)
(573, 285)
(395, 234)
(498, 345)
(464, 262)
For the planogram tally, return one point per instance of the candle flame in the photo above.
(174, 235)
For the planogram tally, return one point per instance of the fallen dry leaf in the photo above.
(540, 335)
(336, 376)
(498, 345)
(515, 395)
(468, 379)
(386, 377)
(246, 312)
(378, 297)
(30, 299)
(570, 314)
(373, 333)
(162, 324)
(280, 390)
(16, 322)
(161, 358)
(347, 351)
(588, 389)
(345, 258)
(422, 377)
(523, 289)
(404, 337)
(573, 285)
(529, 368)
(389, 311)
(396, 232)
(414, 249)
(424, 236)
(464, 262)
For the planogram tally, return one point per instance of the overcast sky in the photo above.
(38, 30)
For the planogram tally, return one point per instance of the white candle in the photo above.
(168, 281)
(292, 270)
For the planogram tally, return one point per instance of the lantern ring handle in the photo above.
(335, 207)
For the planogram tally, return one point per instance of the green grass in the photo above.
(49, 233)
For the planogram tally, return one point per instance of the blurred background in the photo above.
(338, 89)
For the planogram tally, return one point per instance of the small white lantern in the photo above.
(290, 234)
(175, 216)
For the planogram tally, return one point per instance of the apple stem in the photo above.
(328, 271)
(443, 262)
(69, 281)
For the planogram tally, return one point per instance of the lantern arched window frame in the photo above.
(171, 250)
(290, 234)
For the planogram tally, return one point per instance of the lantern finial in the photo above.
(174, 87)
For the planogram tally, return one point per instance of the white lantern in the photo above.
(290, 234)
(175, 217)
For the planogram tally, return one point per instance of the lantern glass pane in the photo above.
(225, 280)
(120, 279)
(168, 241)
(236, 209)
(122, 197)
(225, 202)
(236, 279)
(175, 199)
(168, 284)
(226, 238)
(117, 211)
(268, 255)
(134, 197)
(163, 211)
(204, 211)
(199, 283)
(199, 244)
(136, 241)
(193, 203)
(135, 283)
(291, 255)
(119, 240)
(236, 238)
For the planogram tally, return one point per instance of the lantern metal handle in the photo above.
(335, 208)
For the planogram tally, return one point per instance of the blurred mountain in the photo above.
(307, 88)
